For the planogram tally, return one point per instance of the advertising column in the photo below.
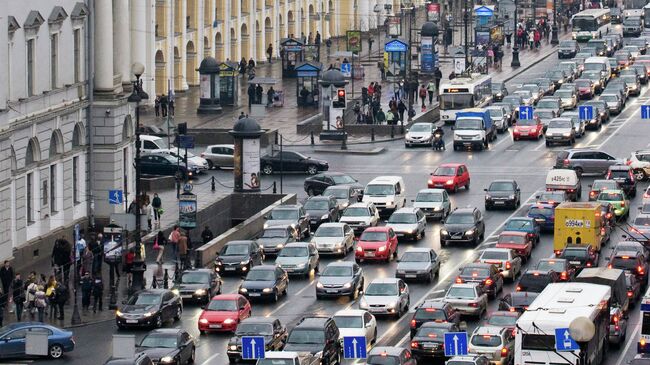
(250, 164)
(426, 46)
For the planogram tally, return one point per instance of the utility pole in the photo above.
(554, 39)
(515, 49)
(466, 21)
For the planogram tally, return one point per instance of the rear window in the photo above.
(537, 342)
(610, 196)
(619, 174)
(486, 340)
(523, 300)
(475, 272)
(534, 283)
(624, 263)
(494, 255)
(381, 360)
(577, 253)
(546, 212)
(508, 238)
(430, 314)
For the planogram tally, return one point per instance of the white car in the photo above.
(408, 223)
(500, 117)
(387, 296)
(194, 162)
(568, 98)
(334, 238)
(356, 323)
(360, 216)
(639, 161)
(434, 203)
(496, 343)
(467, 299)
(420, 134)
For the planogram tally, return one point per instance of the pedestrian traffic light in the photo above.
(182, 128)
(339, 101)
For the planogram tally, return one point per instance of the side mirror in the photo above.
(412, 200)
(485, 190)
(442, 221)
(590, 185)
(431, 174)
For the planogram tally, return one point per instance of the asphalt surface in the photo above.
(526, 161)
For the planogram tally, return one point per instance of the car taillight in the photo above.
(414, 344)
(566, 162)
(508, 265)
(473, 305)
(588, 264)
(640, 270)
(609, 215)
(504, 352)
(563, 275)
(557, 252)
(512, 309)
(413, 323)
(617, 327)
(518, 288)
(459, 281)
(430, 182)
(592, 193)
(623, 203)
(615, 319)
(630, 294)
(488, 282)
(646, 195)
(609, 266)
(609, 176)
(642, 342)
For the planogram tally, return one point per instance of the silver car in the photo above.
(434, 203)
(505, 259)
(333, 238)
(298, 258)
(560, 130)
(408, 223)
(345, 195)
(420, 134)
(290, 215)
(388, 296)
(360, 216)
(219, 156)
(468, 299)
(500, 117)
(418, 263)
(568, 97)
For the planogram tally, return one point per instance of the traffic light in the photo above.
(181, 128)
(339, 101)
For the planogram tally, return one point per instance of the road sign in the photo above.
(354, 347)
(645, 111)
(346, 69)
(525, 112)
(186, 141)
(115, 197)
(563, 340)
(586, 112)
(252, 347)
(455, 343)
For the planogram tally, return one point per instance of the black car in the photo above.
(502, 193)
(169, 346)
(274, 333)
(265, 282)
(290, 161)
(340, 278)
(322, 209)
(315, 185)
(428, 341)
(633, 286)
(560, 266)
(499, 91)
(567, 49)
(433, 311)
(536, 280)
(517, 301)
(149, 308)
(314, 335)
(137, 359)
(163, 164)
(238, 257)
(198, 285)
(624, 176)
(580, 256)
(463, 225)
(631, 261)
(486, 275)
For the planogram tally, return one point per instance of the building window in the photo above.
(45, 192)
(75, 179)
(30, 196)
(77, 55)
(30, 67)
(53, 184)
(54, 64)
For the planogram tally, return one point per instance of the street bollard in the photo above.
(392, 131)
(112, 301)
(213, 185)
(276, 137)
(275, 190)
(311, 137)
(372, 134)
(166, 279)
(154, 282)
(177, 272)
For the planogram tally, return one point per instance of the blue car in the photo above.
(524, 224)
(12, 339)
(544, 215)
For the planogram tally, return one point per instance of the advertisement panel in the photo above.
(353, 41)
(427, 54)
(251, 164)
(433, 12)
(187, 209)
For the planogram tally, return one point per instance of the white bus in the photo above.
(644, 338)
(590, 24)
(462, 93)
(556, 307)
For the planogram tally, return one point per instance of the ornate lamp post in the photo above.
(515, 49)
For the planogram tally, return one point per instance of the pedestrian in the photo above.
(80, 247)
(160, 241)
(242, 65)
(30, 295)
(317, 39)
(6, 276)
(86, 261)
(61, 254)
(156, 204)
(241, 115)
(401, 108)
(173, 240)
(182, 250)
(113, 257)
(98, 254)
(98, 290)
(304, 94)
(50, 294)
(171, 105)
(431, 88)
(303, 38)
(370, 42)
(147, 211)
(390, 117)
(86, 291)
(18, 295)
(156, 105)
(206, 235)
(4, 300)
(128, 265)
(437, 76)
(537, 37)
(269, 52)
(61, 298)
(380, 116)
(382, 70)
(423, 95)
(531, 39)
(310, 39)
(259, 91)
(163, 105)
(251, 94)
(251, 63)
(40, 303)
(133, 207)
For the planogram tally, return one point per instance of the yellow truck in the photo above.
(579, 223)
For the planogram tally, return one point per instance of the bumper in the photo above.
(274, 250)
(257, 295)
(334, 292)
(431, 213)
(556, 139)
(418, 142)
(140, 322)
(438, 353)
(462, 239)
(371, 255)
(225, 270)
(468, 144)
(615, 336)
(441, 185)
(411, 235)
(297, 270)
(501, 203)
(193, 297)
(217, 327)
(410, 275)
(508, 274)
(467, 310)
(332, 250)
(524, 135)
(381, 311)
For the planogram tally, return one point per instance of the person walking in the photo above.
(423, 95)
(128, 266)
(269, 53)
(401, 108)
(156, 105)
(431, 89)
(61, 298)
(390, 117)
(382, 70)
(6, 276)
(40, 302)
(380, 116)
(113, 257)
(251, 94)
(50, 294)
(207, 235)
(80, 247)
(97, 248)
(259, 91)
(98, 291)
(86, 261)
(18, 295)
(61, 258)
(171, 105)
(86, 291)
(156, 205)
(160, 242)
(4, 301)
(173, 238)
(163, 105)
(182, 250)
(437, 76)
(317, 39)
(147, 211)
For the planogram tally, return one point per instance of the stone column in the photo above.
(363, 11)
(122, 40)
(104, 45)
(139, 34)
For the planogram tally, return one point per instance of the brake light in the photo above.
(588, 264)
(430, 310)
(609, 175)
(592, 193)
(488, 282)
(536, 274)
(414, 344)
(609, 266)
(432, 335)
(615, 319)
(558, 252)
(628, 162)
(630, 294)
(642, 342)
(602, 231)
(430, 182)
(623, 203)
(459, 281)
(473, 305)
(508, 265)
(609, 215)
(566, 162)
(413, 323)
(617, 328)
(563, 275)
(640, 270)
(518, 288)
(512, 309)
(504, 352)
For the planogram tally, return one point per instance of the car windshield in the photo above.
(486, 340)
(432, 332)
(381, 360)
(222, 305)
(379, 190)
(632, 21)
(622, 57)
(520, 300)
(475, 272)
(511, 238)
(610, 196)
(404, 218)
(494, 255)
(343, 179)
(547, 104)
(550, 265)
(429, 197)
(356, 212)
(642, 221)
(502, 320)
(275, 233)
(285, 214)
(144, 299)
(529, 122)
(348, 321)
(460, 219)
(543, 211)
(318, 204)
(421, 127)
(496, 113)
(254, 329)
(235, 250)
(617, 174)
(629, 79)
(555, 75)
(534, 283)
(512, 100)
(195, 278)
(582, 83)
(293, 251)
(159, 340)
(306, 336)
(564, 93)
(567, 44)
(518, 224)
(340, 271)
(381, 289)
(329, 232)
(577, 253)
(496, 86)
(468, 124)
(624, 263)
(337, 193)
(261, 275)
(430, 314)
(604, 184)
(563, 124)
(374, 236)
(461, 292)
(415, 257)
(445, 171)
(501, 186)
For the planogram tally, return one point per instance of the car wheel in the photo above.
(639, 174)
(179, 312)
(210, 165)
(55, 351)
(192, 356)
(455, 188)
(312, 169)
(275, 296)
(431, 277)
(467, 185)
(159, 321)
(374, 337)
(310, 192)
(443, 243)
(267, 169)
(548, 144)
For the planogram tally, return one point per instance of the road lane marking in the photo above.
(618, 128)
(286, 300)
(209, 359)
(631, 339)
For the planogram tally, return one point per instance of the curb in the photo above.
(84, 324)
(374, 151)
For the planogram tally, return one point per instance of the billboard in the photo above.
(427, 54)
(251, 164)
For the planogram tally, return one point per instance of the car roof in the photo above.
(263, 267)
(418, 249)
(377, 229)
(627, 253)
(227, 297)
(389, 350)
(620, 167)
(411, 210)
(451, 164)
(167, 331)
(612, 191)
(341, 263)
(476, 265)
(464, 285)
(437, 325)
(542, 205)
(386, 179)
(574, 245)
(239, 242)
(504, 314)
(385, 281)
(332, 224)
(319, 197)
(467, 210)
(207, 271)
(512, 233)
(313, 322)
(288, 206)
(351, 312)
(433, 303)
(278, 226)
(438, 191)
(258, 319)
(299, 244)
(535, 272)
(503, 180)
(360, 205)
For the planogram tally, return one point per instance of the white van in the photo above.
(151, 143)
(598, 64)
(388, 193)
(566, 180)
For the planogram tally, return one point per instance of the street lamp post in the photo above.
(466, 30)
(515, 49)
(554, 29)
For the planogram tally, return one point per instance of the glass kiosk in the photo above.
(292, 52)
(307, 92)
(228, 85)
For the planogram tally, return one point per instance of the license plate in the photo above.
(524, 133)
(456, 237)
(499, 202)
(574, 262)
(288, 270)
(411, 275)
(400, 235)
(332, 291)
(369, 254)
(539, 220)
(215, 326)
(254, 294)
(376, 310)
(131, 321)
(438, 185)
(429, 345)
(186, 296)
(230, 269)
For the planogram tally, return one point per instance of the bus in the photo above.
(644, 339)
(463, 93)
(646, 16)
(590, 24)
(556, 307)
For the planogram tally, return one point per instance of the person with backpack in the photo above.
(156, 206)
(61, 298)
(40, 302)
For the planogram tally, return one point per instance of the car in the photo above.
(560, 130)
(467, 298)
(468, 360)
(274, 238)
(572, 68)
(535, 90)
(560, 266)
(520, 242)
(596, 78)
(517, 301)
(487, 276)
(160, 164)
(552, 103)
(586, 88)
(569, 98)
(294, 215)
(547, 85)
(376, 244)
(136, 359)
(356, 323)
(618, 87)
(614, 65)
(614, 103)
(291, 161)
(219, 156)
(198, 285)
(623, 59)
(499, 91)
(333, 238)
(631, 261)
(526, 95)
(639, 161)
(631, 246)
(433, 311)
(274, 333)
(633, 286)
(382, 355)
(552, 197)
(419, 134)
(526, 225)
(500, 117)
(633, 83)
(434, 203)
(536, 280)
(506, 261)
(345, 195)
(567, 49)
(599, 185)
(429, 340)
(514, 101)
(640, 229)
(299, 258)
(503, 319)
(450, 176)
(579, 256)
(194, 163)
(13, 338)
(585, 161)
(169, 346)
(601, 107)
(321, 209)
(463, 225)
(617, 326)
(541, 116)
(544, 215)
(386, 296)
(223, 313)
(316, 185)
(360, 216)
(265, 282)
(317, 336)
(338, 279)
(624, 176)
(510, 109)
(618, 199)
(238, 257)
(418, 264)
(149, 308)
(408, 223)
(502, 193)
(496, 343)
(579, 124)
(557, 76)
(642, 71)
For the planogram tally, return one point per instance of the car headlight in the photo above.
(229, 321)
(280, 245)
(319, 285)
(449, 182)
(437, 209)
(567, 134)
(200, 292)
(301, 266)
(443, 232)
(488, 197)
(512, 196)
(325, 216)
(347, 285)
(243, 290)
(175, 291)
(470, 232)
(391, 305)
(167, 360)
(119, 313)
(149, 314)
(266, 225)
(363, 303)
(244, 262)
(267, 290)
(381, 249)
(203, 321)
(293, 225)
(499, 95)
(232, 347)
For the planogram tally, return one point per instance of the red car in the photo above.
(528, 129)
(517, 241)
(450, 176)
(223, 313)
(376, 243)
